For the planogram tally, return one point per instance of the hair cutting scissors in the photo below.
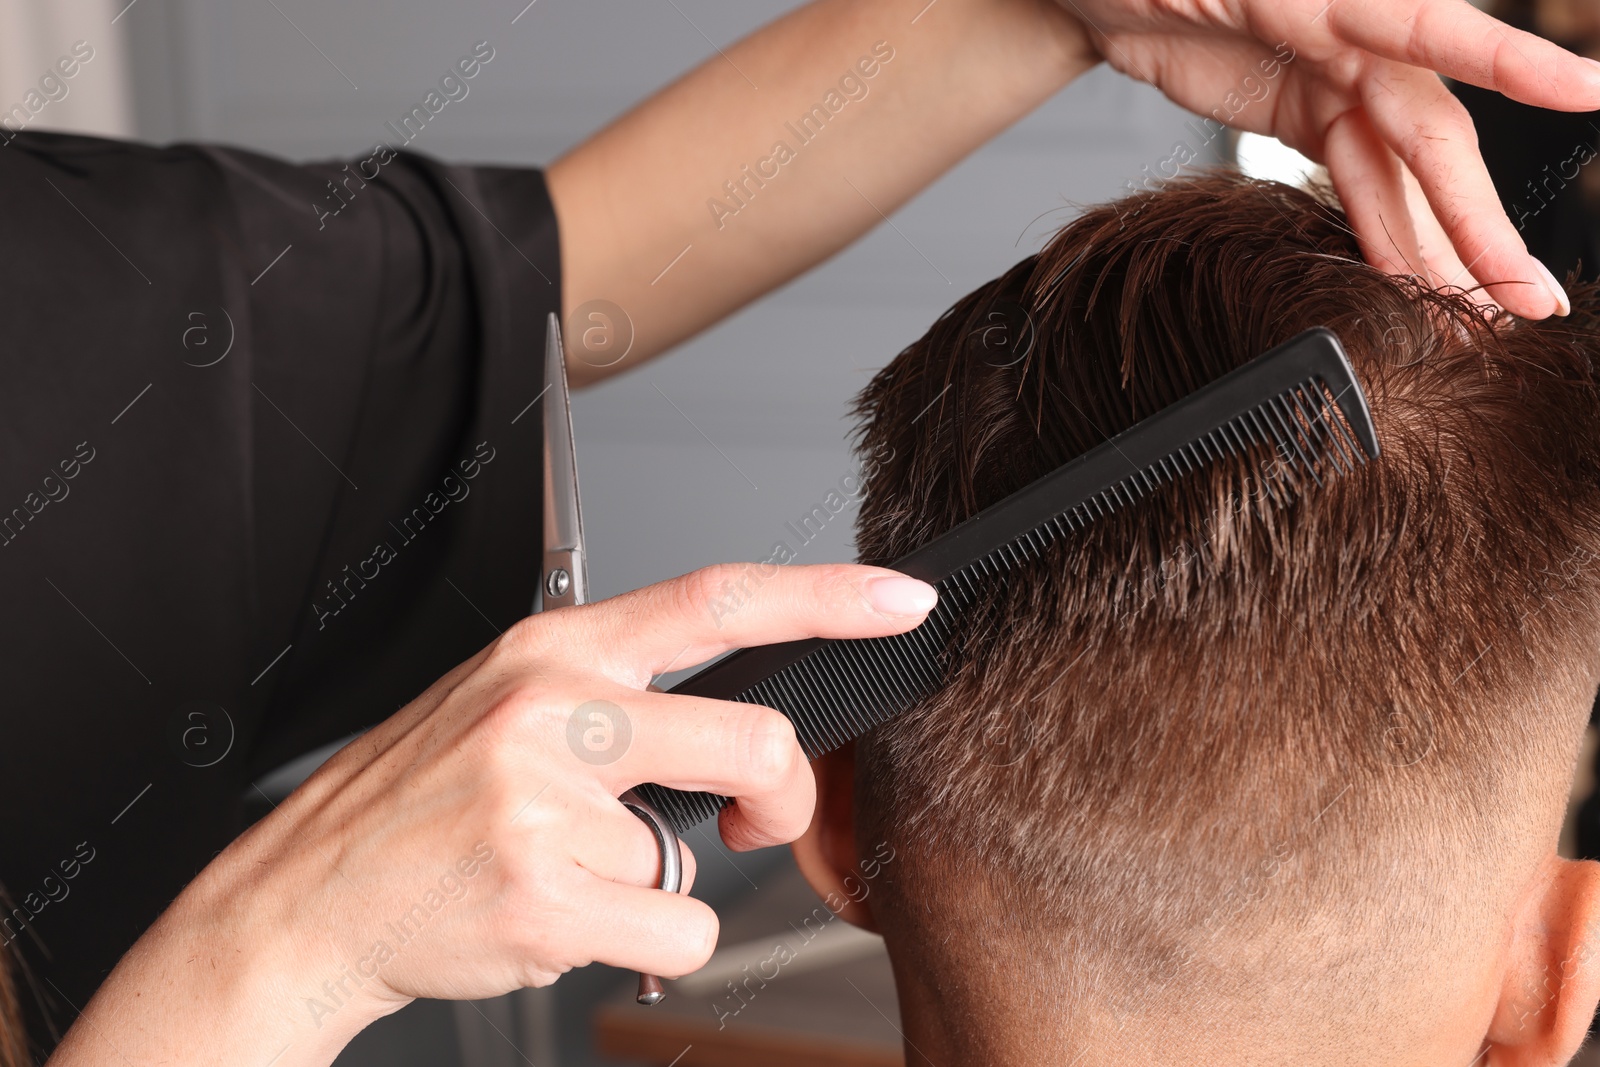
(564, 581)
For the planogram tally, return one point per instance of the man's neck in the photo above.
(944, 1024)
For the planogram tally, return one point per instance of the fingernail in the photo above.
(1563, 305)
(901, 596)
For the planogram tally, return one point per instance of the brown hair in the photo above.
(13, 1038)
(1207, 714)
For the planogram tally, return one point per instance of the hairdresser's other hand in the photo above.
(474, 844)
(1360, 95)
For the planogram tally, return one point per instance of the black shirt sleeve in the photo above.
(269, 465)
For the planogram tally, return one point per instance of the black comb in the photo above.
(1290, 399)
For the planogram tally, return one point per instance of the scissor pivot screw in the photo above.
(558, 582)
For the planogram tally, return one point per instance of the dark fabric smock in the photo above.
(266, 472)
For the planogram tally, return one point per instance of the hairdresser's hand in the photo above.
(1360, 95)
(473, 843)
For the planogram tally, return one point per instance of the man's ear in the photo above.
(826, 852)
(1552, 979)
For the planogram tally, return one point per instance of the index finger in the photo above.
(1457, 40)
(687, 620)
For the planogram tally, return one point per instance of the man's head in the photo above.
(1276, 784)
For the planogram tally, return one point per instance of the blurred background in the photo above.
(703, 456)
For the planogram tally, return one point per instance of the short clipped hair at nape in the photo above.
(1207, 714)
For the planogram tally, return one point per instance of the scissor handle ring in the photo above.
(650, 989)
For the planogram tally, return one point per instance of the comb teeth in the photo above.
(835, 691)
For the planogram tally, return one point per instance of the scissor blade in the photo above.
(565, 578)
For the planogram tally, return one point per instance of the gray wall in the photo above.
(768, 387)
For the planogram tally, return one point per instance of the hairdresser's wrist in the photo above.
(1021, 51)
(1071, 46)
(269, 906)
(224, 977)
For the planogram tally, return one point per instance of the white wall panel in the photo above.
(40, 43)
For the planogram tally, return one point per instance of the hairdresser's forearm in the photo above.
(221, 979)
(642, 192)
